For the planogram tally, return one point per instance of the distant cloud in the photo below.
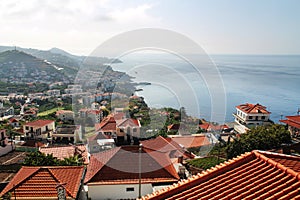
(68, 22)
(133, 13)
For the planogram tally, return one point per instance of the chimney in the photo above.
(180, 159)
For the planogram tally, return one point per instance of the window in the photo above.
(27, 127)
(130, 189)
(263, 117)
(250, 117)
(134, 130)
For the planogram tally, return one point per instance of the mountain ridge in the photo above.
(61, 57)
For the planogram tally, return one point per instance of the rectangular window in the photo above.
(134, 130)
(263, 117)
(130, 189)
(250, 117)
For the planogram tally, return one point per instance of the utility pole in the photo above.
(140, 171)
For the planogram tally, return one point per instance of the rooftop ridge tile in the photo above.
(277, 164)
(208, 172)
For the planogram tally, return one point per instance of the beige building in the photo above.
(39, 129)
(65, 115)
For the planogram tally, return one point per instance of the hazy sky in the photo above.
(219, 26)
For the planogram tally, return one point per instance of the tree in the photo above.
(41, 159)
(259, 138)
(72, 161)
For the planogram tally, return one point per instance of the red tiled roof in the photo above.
(11, 120)
(192, 141)
(107, 124)
(293, 121)
(119, 116)
(98, 136)
(66, 152)
(128, 121)
(295, 118)
(59, 112)
(121, 165)
(166, 145)
(290, 123)
(96, 112)
(40, 182)
(212, 127)
(39, 123)
(253, 108)
(204, 126)
(254, 175)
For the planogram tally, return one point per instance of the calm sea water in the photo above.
(273, 81)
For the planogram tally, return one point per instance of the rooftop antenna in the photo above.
(298, 112)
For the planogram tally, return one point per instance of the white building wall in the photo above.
(99, 192)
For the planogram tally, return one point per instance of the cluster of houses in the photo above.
(118, 165)
(113, 173)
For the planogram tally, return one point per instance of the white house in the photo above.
(67, 134)
(123, 129)
(250, 115)
(129, 128)
(6, 111)
(114, 174)
(39, 129)
(99, 142)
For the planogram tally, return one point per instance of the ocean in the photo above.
(270, 80)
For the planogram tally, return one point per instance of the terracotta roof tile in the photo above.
(128, 121)
(107, 124)
(253, 108)
(166, 145)
(98, 136)
(293, 121)
(66, 151)
(255, 175)
(41, 182)
(119, 116)
(39, 123)
(121, 164)
(192, 141)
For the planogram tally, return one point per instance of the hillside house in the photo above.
(114, 174)
(39, 129)
(250, 115)
(293, 123)
(67, 134)
(36, 183)
(65, 115)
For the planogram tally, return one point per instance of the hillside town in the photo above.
(98, 139)
(49, 150)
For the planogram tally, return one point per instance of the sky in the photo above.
(218, 26)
